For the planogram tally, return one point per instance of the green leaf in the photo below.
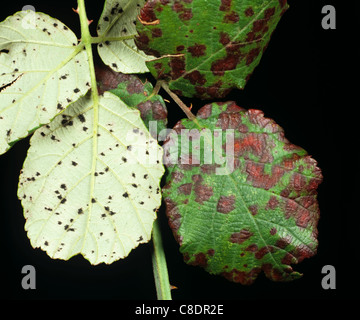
(245, 199)
(136, 94)
(117, 26)
(139, 95)
(90, 182)
(42, 70)
(204, 48)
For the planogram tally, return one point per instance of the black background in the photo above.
(302, 83)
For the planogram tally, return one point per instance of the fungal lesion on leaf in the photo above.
(7, 85)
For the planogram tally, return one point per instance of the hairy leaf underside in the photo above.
(42, 70)
(205, 48)
(117, 21)
(240, 197)
(90, 182)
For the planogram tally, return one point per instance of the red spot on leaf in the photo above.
(225, 5)
(272, 273)
(142, 42)
(135, 87)
(307, 201)
(273, 203)
(208, 168)
(188, 162)
(255, 144)
(298, 182)
(249, 12)
(202, 192)
(174, 218)
(224, 38)
(253, 209)
(303, 218)
(214, 90)
(263, 251)
(177, 65)
(159, 112)
(195, 77)
(228, 63)
(252, 248)
(147, 13)
(283, 242)
(205, 111)
(282, 3)
(226, 204)
(231, 17)
(302, 215)
(245, 278)
(240, 237)
(288, 259)
(200, 260)
(258, 25)
(178, 7)
(177, 176)
(252, 55)
(257, 117)
(197, 178)
(269, 12)
(273, 231)
(184, 13)
(185, 188)
(156, 32)
(197, 50)
(289, 163)
(303, 251)
(259, 178)
(229, 120)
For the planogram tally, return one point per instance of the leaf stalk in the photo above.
(161, 275)
(178, 101)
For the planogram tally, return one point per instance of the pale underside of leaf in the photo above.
(42, 70)
(90, 183)
(117, 21)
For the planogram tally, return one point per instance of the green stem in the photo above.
(181, 104)
(161, 275)
(86, 39)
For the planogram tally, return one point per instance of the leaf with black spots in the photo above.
(81, 185)
(117, 27)
(204, 48)
(42, 70)
(240, 198)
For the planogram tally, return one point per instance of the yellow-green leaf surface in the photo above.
(42, 70)
(116, 22)
(90, 183)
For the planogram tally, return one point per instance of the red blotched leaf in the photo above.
(204, 48)
(136, 94)
(240, 197)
